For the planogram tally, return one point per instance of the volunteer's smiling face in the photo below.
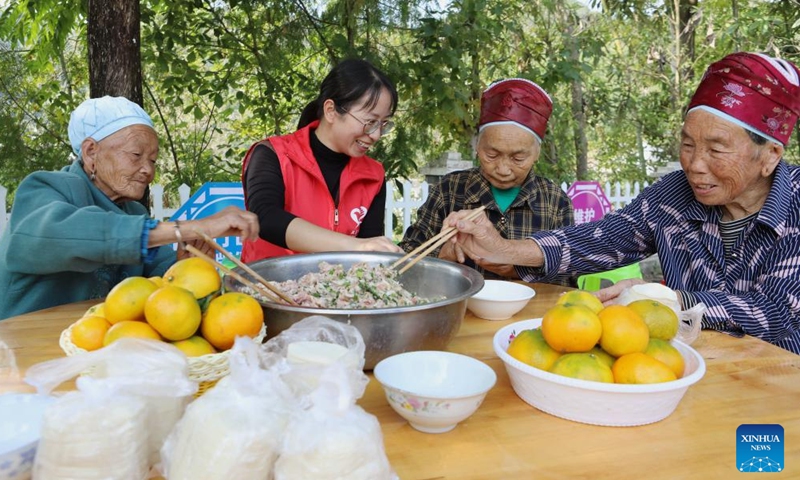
(123, 163)
(346, 131)
(724, 166)
(507, 154)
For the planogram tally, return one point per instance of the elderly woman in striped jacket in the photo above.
(726, 228)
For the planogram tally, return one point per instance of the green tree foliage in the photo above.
(219, 75)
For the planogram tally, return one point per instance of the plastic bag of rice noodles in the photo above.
(233, 430)
(334, 439)
(93, 433)
(311, 345)
(125, 374)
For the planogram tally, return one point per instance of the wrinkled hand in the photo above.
(198, 244)
(232, 221)
(503, 269)
(609, 294)
(477, 239)
(377, 244)
(452, 252)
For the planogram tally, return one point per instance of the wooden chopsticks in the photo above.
(431, 244)
(271, 291)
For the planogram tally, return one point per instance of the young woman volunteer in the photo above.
(315, 190)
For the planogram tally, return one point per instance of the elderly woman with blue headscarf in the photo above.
(75, 233)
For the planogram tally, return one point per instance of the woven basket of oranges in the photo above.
(184, 308)
(205, 369)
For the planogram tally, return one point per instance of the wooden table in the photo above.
(747, 382)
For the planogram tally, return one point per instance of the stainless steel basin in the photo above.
(386, 331)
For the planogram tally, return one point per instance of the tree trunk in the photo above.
(115, 62)
(735, 15)
(640, 148)
(578, 114)
(687, 30)
(350, 22)
(115, 66)
(687, 10)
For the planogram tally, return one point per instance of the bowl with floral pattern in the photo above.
(20, 425)
(434, 390)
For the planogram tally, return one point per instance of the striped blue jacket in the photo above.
(756, 291)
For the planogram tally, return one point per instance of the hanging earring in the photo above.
(93, 177)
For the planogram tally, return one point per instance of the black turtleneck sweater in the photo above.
(266, 191)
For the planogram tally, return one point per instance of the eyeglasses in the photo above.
(370, 126)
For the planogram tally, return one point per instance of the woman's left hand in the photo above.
(503, 269)
(609, 294)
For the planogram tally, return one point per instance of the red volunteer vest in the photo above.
(307, 195)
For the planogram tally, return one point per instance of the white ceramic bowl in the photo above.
(20, 428)
(500, 300)
(434, 390)
(596, 403)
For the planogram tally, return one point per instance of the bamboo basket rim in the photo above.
(205, 368)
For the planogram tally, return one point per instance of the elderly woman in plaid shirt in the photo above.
(726, 227)
(518, 202)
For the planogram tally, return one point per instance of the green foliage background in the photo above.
(220, 75)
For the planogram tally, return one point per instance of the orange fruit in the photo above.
(125, 302)
(529, 347)
(580, 297)
(229, 316)
(88, 332)
(97, 310)
(173, 312)
(585, 366)
(159, 281)
(571, 328)
(640, 368)
(661, 320)
(130, 329)
(195, 346)
(194, 274)
(624, 331)
(603, 356)
(667, 354)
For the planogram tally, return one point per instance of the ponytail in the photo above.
(310, 113)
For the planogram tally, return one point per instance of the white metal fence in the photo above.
(401, 203)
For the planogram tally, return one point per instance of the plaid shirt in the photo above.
(754, 291)
(540, 205)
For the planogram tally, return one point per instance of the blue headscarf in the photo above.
(98, 118)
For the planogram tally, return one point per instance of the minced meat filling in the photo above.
(362, 286)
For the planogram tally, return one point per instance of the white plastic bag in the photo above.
(136, 386)
(233, 430)
(94, 433)
(690, 320)
(690, 323)
(8, 364)
(303, 375)
(650, 291)
(334, 439)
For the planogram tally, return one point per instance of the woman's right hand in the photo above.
(377, 244)
(232, 221)
(478, 238)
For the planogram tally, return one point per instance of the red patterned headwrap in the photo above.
(516, 101)
(758, 92)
